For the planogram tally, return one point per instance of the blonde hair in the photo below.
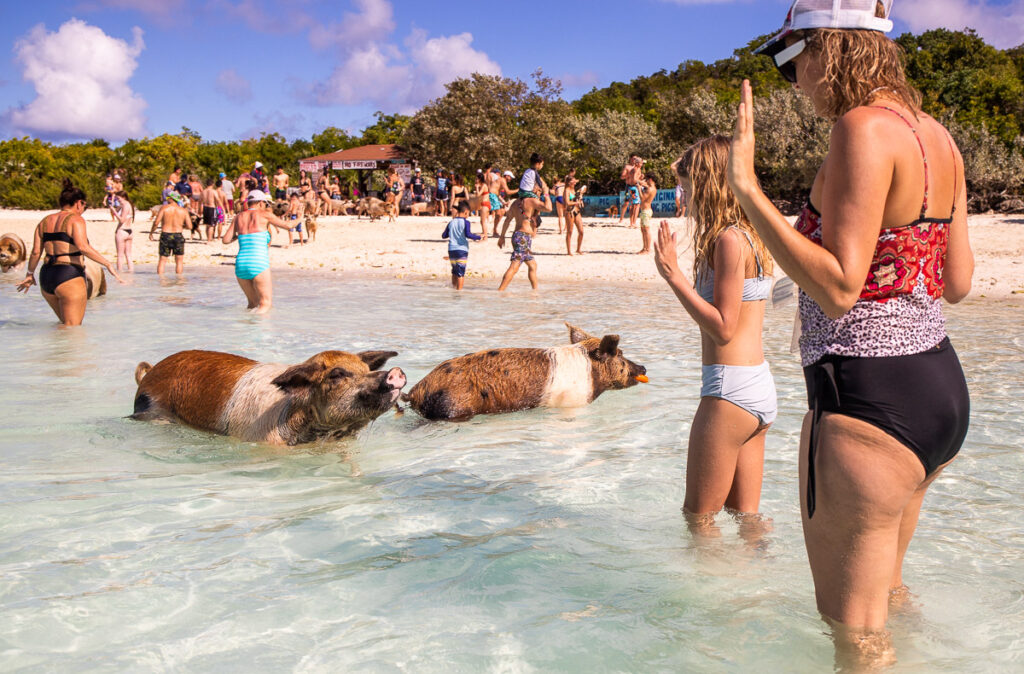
(860, 64)
(712, 203)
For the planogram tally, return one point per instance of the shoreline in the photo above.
(412, 249)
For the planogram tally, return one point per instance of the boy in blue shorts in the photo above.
(458, 232)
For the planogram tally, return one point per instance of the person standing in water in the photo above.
(170, 222)
(725, 456)
(880, 244)
(125, 214)
(63, 239)
(252, 264)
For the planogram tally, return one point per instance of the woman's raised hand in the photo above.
(741, 155)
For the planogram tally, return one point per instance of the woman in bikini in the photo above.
(306, 192)
(62, 237)
(483, 195)
(125, 212)
(880, 244)
(573, 213)
(252, 264)
(725, 459)
(459, 193)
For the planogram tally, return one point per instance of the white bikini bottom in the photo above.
(751, 388)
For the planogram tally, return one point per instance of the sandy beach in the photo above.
(412, 247)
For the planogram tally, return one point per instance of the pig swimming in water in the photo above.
(509, 380)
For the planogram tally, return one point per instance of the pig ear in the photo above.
(374, 359)
(297, 378)
(609, 345)
(575, 334)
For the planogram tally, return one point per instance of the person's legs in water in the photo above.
(68, 301)
(531, 273)
(867, 483)
(179, 264)
(251, 295)
(724, 464)
(509, 274)
(264, 287)
(128, 253)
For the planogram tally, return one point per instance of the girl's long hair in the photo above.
(124, 195)
(713, 205)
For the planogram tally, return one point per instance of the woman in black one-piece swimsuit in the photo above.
(62, 238)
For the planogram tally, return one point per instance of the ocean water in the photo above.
(547, 540)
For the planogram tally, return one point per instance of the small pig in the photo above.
(508, 380)
(331, 395)
(12, 252)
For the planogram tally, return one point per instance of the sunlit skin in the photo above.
(870, 487)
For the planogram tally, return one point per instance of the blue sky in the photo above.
(234, 68)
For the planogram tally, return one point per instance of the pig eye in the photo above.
(338, 373)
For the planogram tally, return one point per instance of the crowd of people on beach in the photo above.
(880, 244)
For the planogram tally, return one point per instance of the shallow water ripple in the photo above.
(548, 540)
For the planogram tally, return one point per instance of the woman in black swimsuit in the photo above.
(62, 237)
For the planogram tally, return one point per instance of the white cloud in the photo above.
(375, 71)
(80, 75)
(439, 60)
(233, 86)
(1001, 25)
(372, 23)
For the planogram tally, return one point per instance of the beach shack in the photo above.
(364, 160)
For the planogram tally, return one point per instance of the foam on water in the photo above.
(543, 540)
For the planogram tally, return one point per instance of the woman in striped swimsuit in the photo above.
(252, 264)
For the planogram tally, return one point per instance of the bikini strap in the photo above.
(924, 157)
(956, 183)
(753, 249)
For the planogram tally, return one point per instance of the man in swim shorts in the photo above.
(522, 243)
(631, 174)
(648, 190)
(280, 184)
(170, 221)
(213, 198)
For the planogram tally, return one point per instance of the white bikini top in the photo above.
(754, 289)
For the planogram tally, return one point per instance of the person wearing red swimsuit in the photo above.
(881, 243)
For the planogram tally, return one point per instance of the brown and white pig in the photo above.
(509, 380)
(331, 395)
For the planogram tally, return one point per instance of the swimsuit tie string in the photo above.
(825, 375)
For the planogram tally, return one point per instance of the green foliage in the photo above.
(976, 89)
(486, 119)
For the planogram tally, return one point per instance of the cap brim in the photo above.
(775, 44)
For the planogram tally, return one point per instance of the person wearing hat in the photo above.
(259, 176)
(880, 244)
(252, 264)
(416, 183)
(442, 181)
(228, 188)
(170, 222)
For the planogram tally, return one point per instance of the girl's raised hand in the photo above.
(741, 155)
(666, 257)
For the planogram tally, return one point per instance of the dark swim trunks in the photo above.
(280, 195)
(521, 244)
(171, 244)
(210, 216)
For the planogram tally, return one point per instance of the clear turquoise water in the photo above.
(540, 541)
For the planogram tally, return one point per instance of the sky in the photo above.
(232, 69)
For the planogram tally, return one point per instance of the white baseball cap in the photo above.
(508, 174)
(841, 14)
(117, 177)
(258, 195)
(258, 165)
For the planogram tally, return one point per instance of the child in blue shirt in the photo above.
(458, 232)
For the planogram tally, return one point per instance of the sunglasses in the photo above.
(784, 60)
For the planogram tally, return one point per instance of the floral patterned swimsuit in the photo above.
(888, 361)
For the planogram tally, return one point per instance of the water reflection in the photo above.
(549, 539)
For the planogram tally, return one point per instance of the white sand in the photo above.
(412, 247)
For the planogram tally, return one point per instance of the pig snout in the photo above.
(396, 378)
